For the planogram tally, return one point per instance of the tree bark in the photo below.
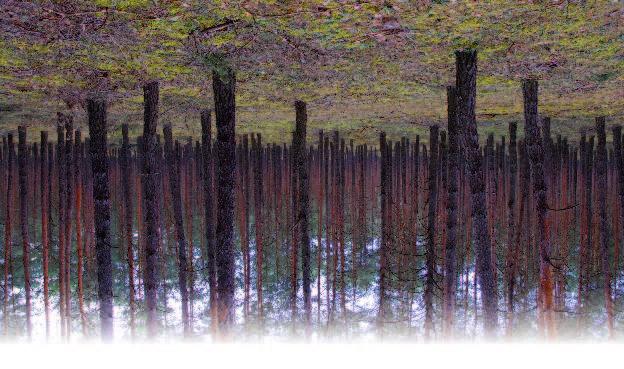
(536, 156)
(96, 110)
(466, 83)
(301, 171)
(450, 274)
(224, 85)
(150, 176)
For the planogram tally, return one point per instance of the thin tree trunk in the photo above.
(172, 154)
(431, 230)
(23, 199)
(45, 240)
(126, 183)
(209, 214)
(78, 160)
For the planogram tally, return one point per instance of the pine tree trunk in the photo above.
(536, 156)
(96, 110)
(224, 100)
(150, 177)
(45, 240)
(466, 98)
(301, 220)
(23, 199)
(450, 272)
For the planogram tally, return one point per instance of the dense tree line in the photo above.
(450, 238)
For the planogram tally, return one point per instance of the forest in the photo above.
(296, 174)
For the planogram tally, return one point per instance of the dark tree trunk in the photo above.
(466, 83)
(62, 190)
(223, 84)
(619, 180)
(67, 222)
(536, 156)
(96, 110)
(172, 155)
(301, 171)
(23, 200)
(258, 221)
(383, 251)
(150, 177)
(450, 272)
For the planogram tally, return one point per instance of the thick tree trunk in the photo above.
(96, 110)
(150, 177)
(466, 83)
(536, 156)
(301, 221)
(223, 84)
(450, 272)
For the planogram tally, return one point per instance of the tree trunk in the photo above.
(536, 156)
(45, 240)
(450, 272)
(466, 83)
(150, 177)
(23, 199)
(223, 84)
(96, 110)
(301, 220)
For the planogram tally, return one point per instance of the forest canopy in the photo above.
(359, 64)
